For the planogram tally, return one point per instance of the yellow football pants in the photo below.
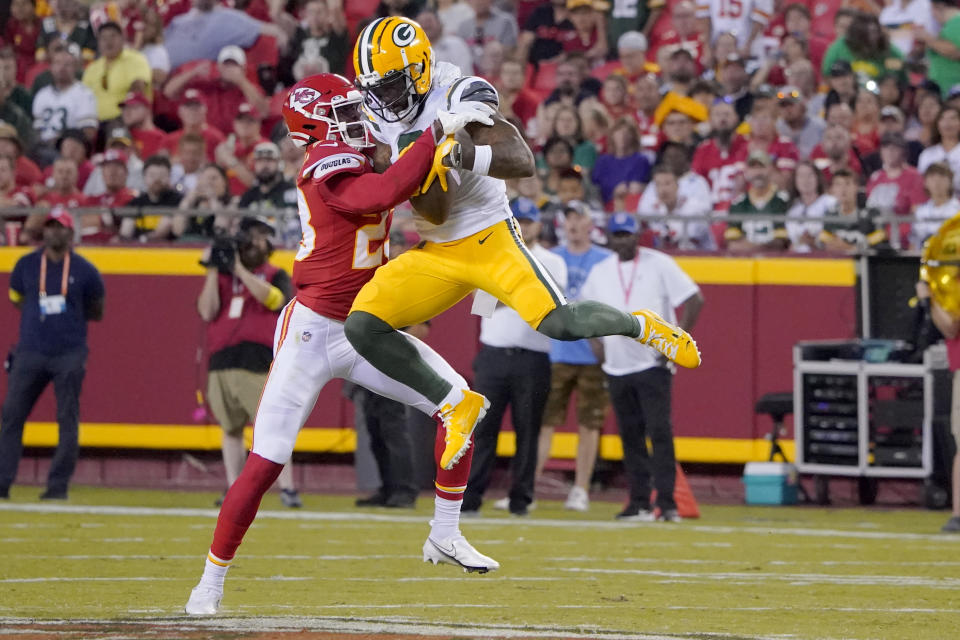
(430, 278)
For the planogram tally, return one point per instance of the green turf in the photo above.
(754, 572)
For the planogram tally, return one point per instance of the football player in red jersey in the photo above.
(345, 210)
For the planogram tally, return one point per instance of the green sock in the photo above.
(588, 319)
(390, 352)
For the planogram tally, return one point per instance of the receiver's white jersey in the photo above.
(481, 201)
(734, 16)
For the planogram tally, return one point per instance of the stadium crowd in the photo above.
(848, 109)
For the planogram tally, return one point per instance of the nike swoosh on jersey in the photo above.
(485, 237)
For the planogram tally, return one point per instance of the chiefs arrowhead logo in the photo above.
(303, 96)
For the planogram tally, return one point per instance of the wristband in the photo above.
(482, 155)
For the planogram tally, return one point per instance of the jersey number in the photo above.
(731, 8)
(369, 244)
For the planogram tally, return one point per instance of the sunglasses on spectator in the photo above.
(788, 95)
(723, 99)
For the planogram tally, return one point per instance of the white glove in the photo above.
(463, 114)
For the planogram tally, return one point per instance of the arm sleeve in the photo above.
(472, 89)
(94, 290)
(372, 192)
(16, 279)
(282, 281)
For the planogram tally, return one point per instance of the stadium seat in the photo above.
(33, 72)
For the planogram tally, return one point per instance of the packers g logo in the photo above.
(404, 35)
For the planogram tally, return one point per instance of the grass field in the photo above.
(120, 564)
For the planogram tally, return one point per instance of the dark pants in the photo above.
(519, 378)
(30, 375)
(641, 402)
(390, 443)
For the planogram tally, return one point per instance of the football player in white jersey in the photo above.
(745, 19)
(470, 240)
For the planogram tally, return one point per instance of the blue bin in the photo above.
(770, 483)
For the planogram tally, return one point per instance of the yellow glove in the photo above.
(439, 170)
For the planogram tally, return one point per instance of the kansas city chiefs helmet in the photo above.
(326, 107)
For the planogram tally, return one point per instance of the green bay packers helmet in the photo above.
(393, 60)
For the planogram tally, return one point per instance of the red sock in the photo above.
(450, 484)
(241, 503)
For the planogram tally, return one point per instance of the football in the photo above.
(434, 205)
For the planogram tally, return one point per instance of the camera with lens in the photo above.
(223, 252)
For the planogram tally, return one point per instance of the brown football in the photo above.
(434, 205)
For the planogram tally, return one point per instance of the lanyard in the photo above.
(627, 288)
(63, 281)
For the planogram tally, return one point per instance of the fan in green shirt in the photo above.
(868, 50)
(761, 198)
(943, 51)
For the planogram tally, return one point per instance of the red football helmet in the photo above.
(326, 107)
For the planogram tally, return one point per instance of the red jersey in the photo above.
(83, 173)
(902, 194)
(345, 210)
(211, 136)
(117, 199)
(822, 162)
(22, 38)
(721, 168)
(26, 172)
(70, 200)
(783, 152)
(147, 142)
(671, 41)
(243, 153)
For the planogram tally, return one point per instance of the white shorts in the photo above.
(309, 351)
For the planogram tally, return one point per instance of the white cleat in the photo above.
(204, 601)
(457, 551)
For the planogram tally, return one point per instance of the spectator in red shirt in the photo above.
(61, 187)
(587, 36)
(764, 137)
(138, 118)
(614, 97)
(515, 100)
(103, 226)
(236, 153)
(719, 158)
(683, 35)
(27, 172)
(12, 196)
(835, 152)
(193, 116)
(222, 90)
(646, 98)
(897, 186)
(21, 35)
(866, 122)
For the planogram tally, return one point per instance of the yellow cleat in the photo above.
(460, 421)
(670, 340)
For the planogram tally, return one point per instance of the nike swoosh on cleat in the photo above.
(485, 237)
(450, 552)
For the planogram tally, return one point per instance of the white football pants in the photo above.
(309, 351)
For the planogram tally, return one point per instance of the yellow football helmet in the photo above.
(393, 60)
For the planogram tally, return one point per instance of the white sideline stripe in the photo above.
(149, 579)
(334, 516)
(194, 556)
(384, 625)
(796, 579)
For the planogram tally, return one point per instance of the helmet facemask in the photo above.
(394, 98)
(349, 122)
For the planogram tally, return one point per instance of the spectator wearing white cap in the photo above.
(205, 30)
(271, 189)
(65, 104)
(116, 71)
(638, 378)
(631, 62)
(222, 89)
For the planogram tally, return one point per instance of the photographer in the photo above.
(241, 300)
